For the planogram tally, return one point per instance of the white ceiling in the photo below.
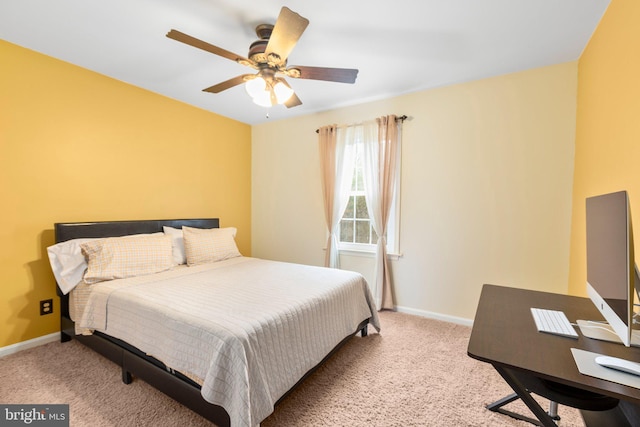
(399, 47)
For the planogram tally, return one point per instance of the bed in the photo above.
(204, 333)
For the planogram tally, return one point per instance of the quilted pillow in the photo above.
(203, 246)
(127, 256)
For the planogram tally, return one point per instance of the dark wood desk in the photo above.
(504, 335)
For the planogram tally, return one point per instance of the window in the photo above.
(355, 225)
(356, 229)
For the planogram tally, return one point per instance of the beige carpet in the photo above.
(415, 373)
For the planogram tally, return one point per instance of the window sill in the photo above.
(366, 253)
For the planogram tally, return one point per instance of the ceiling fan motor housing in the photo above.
(258, 48)
(256, 51)
(263, 31)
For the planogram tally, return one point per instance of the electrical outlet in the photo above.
(46, 307)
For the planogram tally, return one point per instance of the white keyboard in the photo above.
(553, 322)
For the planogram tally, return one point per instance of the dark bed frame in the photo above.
(133, 361)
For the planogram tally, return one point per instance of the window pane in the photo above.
(362, 231)
(361, 207)
(348, 212)
(346, 231)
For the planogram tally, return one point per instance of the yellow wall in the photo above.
(78, 146)
(608, 124)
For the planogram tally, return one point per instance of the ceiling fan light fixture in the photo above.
(283, 92)
(263, 98)
(255, 87)
(265, 93)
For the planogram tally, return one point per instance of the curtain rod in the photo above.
(401, 118)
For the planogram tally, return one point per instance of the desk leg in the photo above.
(520, 392)
(498, 404)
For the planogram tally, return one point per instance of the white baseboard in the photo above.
(14, 348)
(437, 316)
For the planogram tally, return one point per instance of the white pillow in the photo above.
(67, 263)
(177, 244)
(207, 245)
(127, 256)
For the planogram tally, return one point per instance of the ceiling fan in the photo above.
(268, 56)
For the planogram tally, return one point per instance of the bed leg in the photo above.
(364, 331)
(64, 337)
(126, 376)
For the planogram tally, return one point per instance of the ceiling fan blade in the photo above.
(192, 41)
(341, 75)
(227, 84)
(286, 32)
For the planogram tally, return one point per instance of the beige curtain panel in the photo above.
(337, 156)
(388, 160)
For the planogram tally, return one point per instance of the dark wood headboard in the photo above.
(75, 230)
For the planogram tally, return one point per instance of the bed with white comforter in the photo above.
(245, 329)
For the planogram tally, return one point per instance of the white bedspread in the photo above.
(249, 328)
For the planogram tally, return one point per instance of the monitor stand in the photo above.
(602, 331)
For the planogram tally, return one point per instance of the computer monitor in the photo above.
(611, 267)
